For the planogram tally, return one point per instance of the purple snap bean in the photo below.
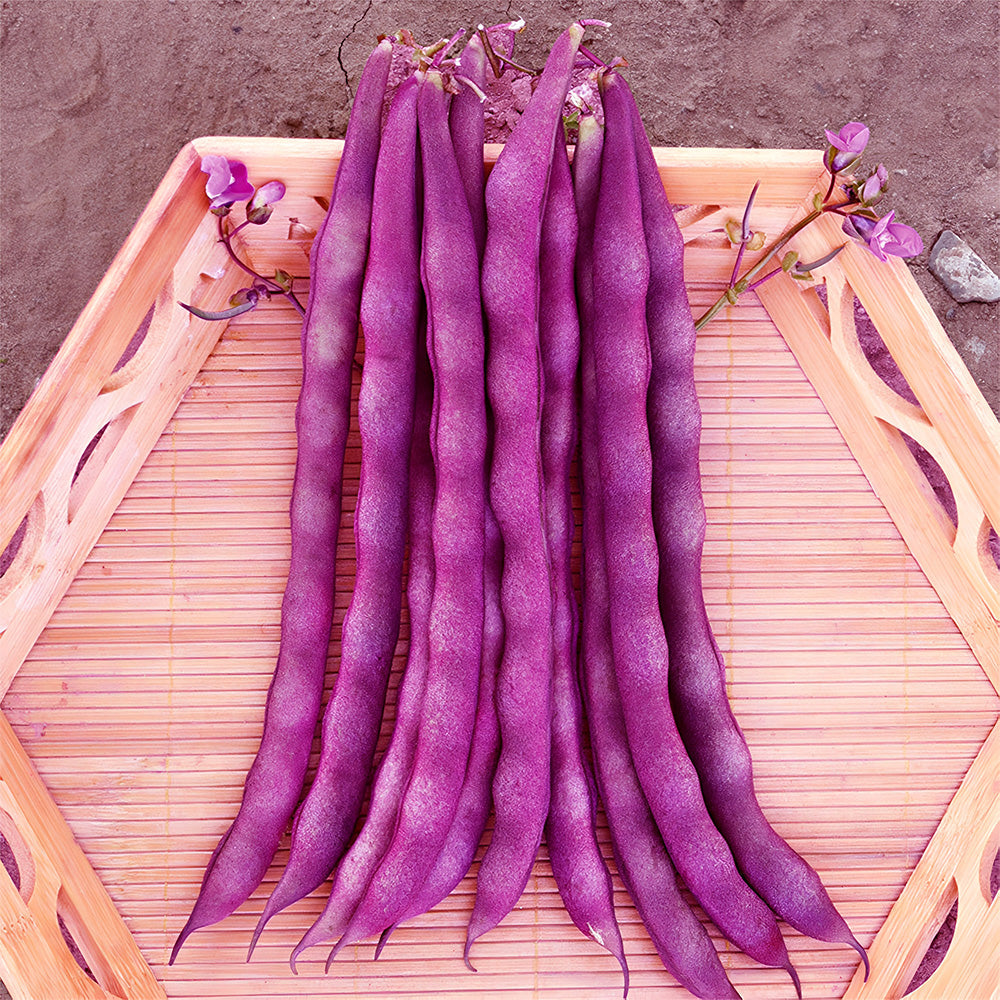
(329, 335)
(391, 308)
(515, 200)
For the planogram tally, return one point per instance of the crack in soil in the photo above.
(340, 48)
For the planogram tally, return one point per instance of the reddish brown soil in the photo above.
(99, 97)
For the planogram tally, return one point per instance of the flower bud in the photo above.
(872, 190)
(243, 296)
(860, 226)
(262, 203)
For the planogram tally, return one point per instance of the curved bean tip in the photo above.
(383, 940)
(465, 956)
(181, 938)
(790, 969)
(330, 958)
(296, 951)
(615, 948)
(860, 949)
(335, 951)
(256, 935)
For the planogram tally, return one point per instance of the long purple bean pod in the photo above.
(449, 265)
(466, 123)
(704, 717)
(391, 307)
(680, 938)
(515, 200)
(621, 359)
(578, 865)
(329, 335)
(362, 858)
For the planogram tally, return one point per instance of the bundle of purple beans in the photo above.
(510, 324)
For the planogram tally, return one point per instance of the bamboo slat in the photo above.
(57, 884)
(140, 616)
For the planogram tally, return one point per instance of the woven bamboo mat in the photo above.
(141, 702)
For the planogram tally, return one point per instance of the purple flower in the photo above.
(874, 187)
(846, 146)
(262, 203)
(227, 180)
(884, 236)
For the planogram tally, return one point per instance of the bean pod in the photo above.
(621, 359)
(705, 719)
(329, 337)
(449, 265)
(515, 200)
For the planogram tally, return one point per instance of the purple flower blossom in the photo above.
(261, 205)
(874, 187)
(884, 237)
(846, 146)
(227, 181)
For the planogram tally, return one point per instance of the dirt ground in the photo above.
(98, 96)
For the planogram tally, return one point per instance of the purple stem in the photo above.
(271, 286)
(760, 281)
(745, 236)
(584, 51)
(447, 47)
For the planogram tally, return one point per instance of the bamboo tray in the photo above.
(146, 500)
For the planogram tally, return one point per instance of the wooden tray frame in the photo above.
(171, 254)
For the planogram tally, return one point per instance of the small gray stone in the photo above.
(962, 271)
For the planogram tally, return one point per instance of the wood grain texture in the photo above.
(857, 642)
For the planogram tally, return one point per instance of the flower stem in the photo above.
(760, 281)
(226, 240)
(745, 235)
(745, 281)
(270, 285)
